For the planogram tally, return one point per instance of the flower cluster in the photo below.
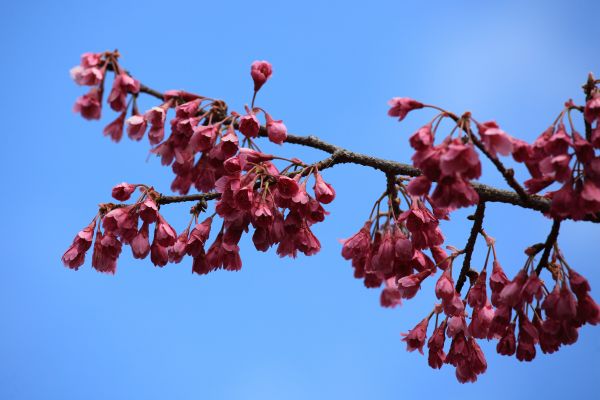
(92, 72)
(120, 224)
(202, 136)
(452, 164)
(522, 302)
(390, 249)
(562, 155)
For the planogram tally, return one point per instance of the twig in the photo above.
(470, 246)
(552, 236)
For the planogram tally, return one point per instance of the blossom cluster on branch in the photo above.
(398, 247)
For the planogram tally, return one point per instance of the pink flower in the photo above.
(140, 245)
(86, 76)
(390, 296)
(75, 255)
(566, 305)
(115, 128)
(507, 344)
(495, 139)
(511, 293)
(410, 285)
(358, 246)
(533, 288)
(588, 312)
(122, 221)
(477, 294)
(481, 321)
(89, 60)
(419, 186)
(444, 288)
(198, 238)
(456, 325)
(401, 106)
(122, 85)
(148, 210)
(249, 125)
(89, 105)
(276, 130)
(592, 109)
(436, 356)
(415, 338)
(441, 257)
(452, 193)
(528, 337)
(460, 159)
(178, 250)
(123, 191)
(106, 251)
(454, 306)
(156, 117)
(287, 187)
(136, 127)
(422, 139)
(579, 284)
(260, 71)
(159, 255)
(323, 191)
(164, 233)
(498, 280)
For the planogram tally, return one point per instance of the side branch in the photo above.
(470, 246)
(552, 236)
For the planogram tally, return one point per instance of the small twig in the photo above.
(552, 236)
(392, 192)
(588, 89)
(470, 246)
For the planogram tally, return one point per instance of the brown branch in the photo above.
(340, 155)
(552, 236)
(191, 197)
(392, 192)
(588, 89)
(470, 246)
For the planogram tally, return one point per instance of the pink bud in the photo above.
(261, 71)
(276, 130)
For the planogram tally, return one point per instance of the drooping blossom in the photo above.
(401, 106)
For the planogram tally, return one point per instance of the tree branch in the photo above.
(552, 236)
(191, 197)
(470, 246)
(341, 155)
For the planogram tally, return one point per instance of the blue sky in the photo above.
(291, 329)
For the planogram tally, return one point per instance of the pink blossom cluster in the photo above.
(563, 156)
(276, 204)
(121, 225)
(202, 137)
(545, 318)
(92, 72)
(452, 164)
(392, 252)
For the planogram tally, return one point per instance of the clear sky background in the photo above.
(279, 329)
